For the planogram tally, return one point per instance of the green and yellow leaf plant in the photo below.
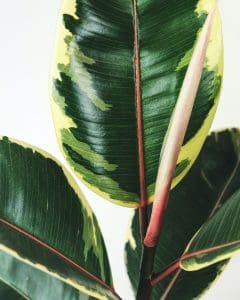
(134, 88)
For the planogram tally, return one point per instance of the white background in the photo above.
(27, 35)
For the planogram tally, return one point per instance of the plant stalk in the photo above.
(143, 221)
(145, 286)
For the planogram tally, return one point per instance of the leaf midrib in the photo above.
(209, 250)
(138, 97)
(143, 201)
(59, 254)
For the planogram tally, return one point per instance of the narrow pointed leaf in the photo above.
(191, 203)
(46, 223)
(117, 74)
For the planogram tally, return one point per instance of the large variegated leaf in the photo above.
(212, 181)
(117, 74)
(47, 230)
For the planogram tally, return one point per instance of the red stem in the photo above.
(143, 220)
(156, 278)
(157, 217)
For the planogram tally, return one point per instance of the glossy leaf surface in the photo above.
(116, 68)
(219, 238)
(211, 182)
(33, 283)
(46, 223)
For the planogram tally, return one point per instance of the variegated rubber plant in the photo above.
(134, 88)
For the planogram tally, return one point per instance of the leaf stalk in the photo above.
(145, 286)
(156, 278)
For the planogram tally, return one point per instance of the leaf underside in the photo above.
(213, 179)
(93, 88)
(46, 223)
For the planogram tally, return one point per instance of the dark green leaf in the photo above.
(45, 222)
(94, 88)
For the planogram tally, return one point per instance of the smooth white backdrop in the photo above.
(27, 34)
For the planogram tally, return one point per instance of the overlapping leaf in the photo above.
(212, 181)
(219, 238)
(48, 232)
(95, 83)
